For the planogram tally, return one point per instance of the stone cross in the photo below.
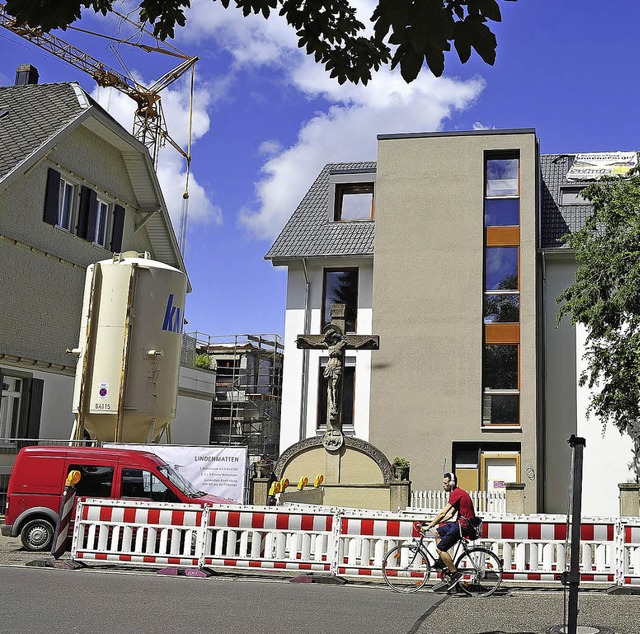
(336, 342)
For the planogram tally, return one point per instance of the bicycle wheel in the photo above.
(406, 568)
(481, 572)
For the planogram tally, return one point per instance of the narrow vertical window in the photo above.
(501, 307)
(101, 229)
(65, 205)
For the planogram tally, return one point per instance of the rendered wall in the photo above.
(428, 297)
(560, 385)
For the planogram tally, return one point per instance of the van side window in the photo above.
(137, 483)
(95, 481)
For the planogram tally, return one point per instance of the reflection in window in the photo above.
(573, 196)
(138, 483)
(501, 409)
(95, 481)
(348, 384)
(501, 212)
(501, 309)
(502, 177)
(341, 287)
(501, 268)
(354, 201)
(500, 370)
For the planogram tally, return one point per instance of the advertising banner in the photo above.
(590, 167)
(217, 470)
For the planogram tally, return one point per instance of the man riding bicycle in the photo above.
(448, 533)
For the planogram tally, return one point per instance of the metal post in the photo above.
(577, 447)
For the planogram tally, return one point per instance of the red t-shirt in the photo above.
(461, 502)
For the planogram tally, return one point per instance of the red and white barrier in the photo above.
(138, 533)
(345, 542)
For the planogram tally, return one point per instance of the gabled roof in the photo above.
(309, 233)
(34, 117)
(557, 220)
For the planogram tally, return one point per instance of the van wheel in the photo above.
(37, 535)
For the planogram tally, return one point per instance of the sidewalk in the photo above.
(524, 611)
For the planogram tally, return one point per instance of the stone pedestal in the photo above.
(259, 491)
(629, 499)
(356, 474)
(515, 497)
(399, 495)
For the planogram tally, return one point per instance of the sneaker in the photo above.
(438, 564)
(453, 580)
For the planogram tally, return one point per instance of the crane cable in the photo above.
(185, 197)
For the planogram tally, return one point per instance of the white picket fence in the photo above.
(483, 501)
(334, 541)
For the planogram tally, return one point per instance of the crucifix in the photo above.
(336, 342)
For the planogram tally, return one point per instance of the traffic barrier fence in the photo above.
(334, 541)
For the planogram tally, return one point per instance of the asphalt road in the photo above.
(110, 601)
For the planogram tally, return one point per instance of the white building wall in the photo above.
(292, 384)
(607, 455)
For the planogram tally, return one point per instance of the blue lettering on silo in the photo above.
(172, 317)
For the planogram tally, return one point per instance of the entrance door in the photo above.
(496, 469)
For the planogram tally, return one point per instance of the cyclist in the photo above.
(448, 533)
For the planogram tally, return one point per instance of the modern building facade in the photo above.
(447, 248)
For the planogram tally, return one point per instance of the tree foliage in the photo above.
(605, 297)
(406, 33)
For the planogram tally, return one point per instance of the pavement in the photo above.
(515, 609)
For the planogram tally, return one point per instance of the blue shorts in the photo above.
(449, 535)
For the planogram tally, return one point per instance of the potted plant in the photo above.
(401, 468)
(262, 468)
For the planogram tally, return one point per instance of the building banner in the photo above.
(590, 167)
(217, 470)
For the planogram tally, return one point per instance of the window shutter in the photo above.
(51, 197)
(34, 411)
(118, 229)
(87, 212)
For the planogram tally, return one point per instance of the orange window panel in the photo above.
(503, 236)
(502, 333)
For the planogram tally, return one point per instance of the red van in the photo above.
(38, 478)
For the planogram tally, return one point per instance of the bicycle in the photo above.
(407, 567)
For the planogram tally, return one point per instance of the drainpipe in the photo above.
(304, 387)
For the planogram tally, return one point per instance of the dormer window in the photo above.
(573, 196)
(351, 195)
(354, 201)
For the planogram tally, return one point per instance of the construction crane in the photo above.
(149, 125)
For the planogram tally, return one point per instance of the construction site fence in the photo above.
(335, 541)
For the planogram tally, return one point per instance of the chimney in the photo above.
(26, 74)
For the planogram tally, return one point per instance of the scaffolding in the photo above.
(248, 393)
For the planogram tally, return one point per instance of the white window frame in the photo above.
(67, 190)
(102, 232)
(10, 406)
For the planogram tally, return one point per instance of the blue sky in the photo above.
(267, 119)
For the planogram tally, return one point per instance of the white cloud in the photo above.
(345, 131)
(481, 126)
(171, 165)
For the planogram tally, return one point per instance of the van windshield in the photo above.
(181, 483)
